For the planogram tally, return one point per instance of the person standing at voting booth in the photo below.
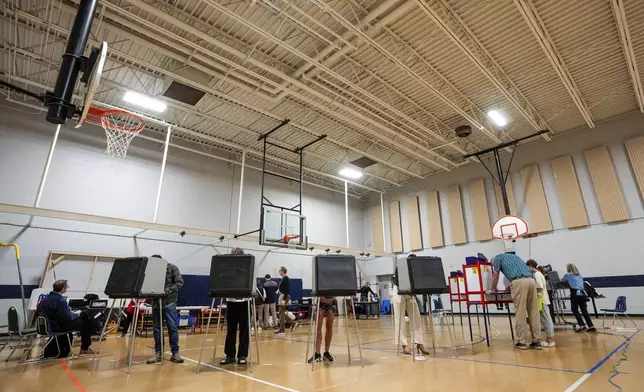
(542, 293)
(403, 303)
(236, 318)
(328, 310)
(173, 282)
(523, 288)
(578, 298)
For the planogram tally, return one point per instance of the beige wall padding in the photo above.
(414, 232)
(607, 187)
(455, 209)
(435, 221)
(480, 213)
(376, 227)
(395, 227)
(499, 199)
(572, 202)
(635, 148)
(535, 200)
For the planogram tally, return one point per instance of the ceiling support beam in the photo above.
(627, 46)
(455, 29)
(538, 28)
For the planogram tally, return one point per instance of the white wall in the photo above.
(198, 192)
(598, 250)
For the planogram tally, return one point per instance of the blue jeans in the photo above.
(170, 317)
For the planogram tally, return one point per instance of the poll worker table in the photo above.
(478, 279)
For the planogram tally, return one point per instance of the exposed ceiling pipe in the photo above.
(192, 30)
(229, 99)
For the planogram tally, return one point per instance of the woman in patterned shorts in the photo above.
(328, 309)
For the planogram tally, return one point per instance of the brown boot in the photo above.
(406, 350)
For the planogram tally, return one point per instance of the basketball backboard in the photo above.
(283, 228)
(509, 227)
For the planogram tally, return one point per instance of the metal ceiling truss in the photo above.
(538, 28)
(452, 25)
(629, 54)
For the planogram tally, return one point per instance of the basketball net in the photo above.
(508, 242)
(120, 129)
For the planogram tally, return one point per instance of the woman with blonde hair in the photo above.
(578, 298)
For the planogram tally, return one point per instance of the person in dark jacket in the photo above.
(285, 293)
(364, 298)
(270, 287)
(173, 282)
(61, 319)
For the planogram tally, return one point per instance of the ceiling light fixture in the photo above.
(497, 117)
(144, 101)
(351, 173)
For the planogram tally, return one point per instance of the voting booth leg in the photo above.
(214, 352)
(487, 333)
(250, 337)
(203, 340)
(346, 330)
(316, 310)
(510, 320)
(469, 321)
(161, 328)
(308, 337)
(132, 341)
(355, 321)
(413, 328)
(430, 316)
(256, 330)
(401, 319)
(100, 338)
(460, 312)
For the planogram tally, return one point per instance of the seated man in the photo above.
(55, 308)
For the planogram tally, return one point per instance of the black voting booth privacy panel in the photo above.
(232, 276)
(422, 275)
(133, 277)
(334, 275)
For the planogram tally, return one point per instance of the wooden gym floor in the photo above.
(581, 362)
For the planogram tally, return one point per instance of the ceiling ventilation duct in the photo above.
(183, 93)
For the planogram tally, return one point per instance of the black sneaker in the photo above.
(227, 361)
(315, 358)
(580, 329)
(327, 357)
(521, 346)
(536, 345)
(242, 361)
(591, 329)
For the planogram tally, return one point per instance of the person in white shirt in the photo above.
(542, 291)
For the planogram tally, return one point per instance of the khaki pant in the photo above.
(273, 312)
(524, 296)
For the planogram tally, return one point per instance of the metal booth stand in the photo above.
(252, 323)
(232, 276)
(314, 313)
(413, 280)
(149, 283)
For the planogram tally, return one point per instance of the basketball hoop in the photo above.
(509, 228)
(120, 128)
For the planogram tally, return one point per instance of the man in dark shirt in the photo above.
(364, 298)
(285, 293)
(270, 287)
(55, 308)
(173, 282)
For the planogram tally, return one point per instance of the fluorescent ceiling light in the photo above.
(497, 117)
(350, 172)
(144, 101)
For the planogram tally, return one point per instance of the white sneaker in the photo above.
(546, 344)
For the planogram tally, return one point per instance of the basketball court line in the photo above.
(599, 364)
(251, 378)
(72, 376)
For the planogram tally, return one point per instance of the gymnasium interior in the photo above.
(196, 194)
